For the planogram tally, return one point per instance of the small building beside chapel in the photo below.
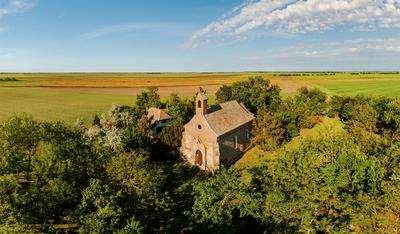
(216, 136)
(158, 120)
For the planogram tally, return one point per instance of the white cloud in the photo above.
(366, 48)
(348, 55)
(300, 16)
(8, 7)
(365, 45)
(164, 27)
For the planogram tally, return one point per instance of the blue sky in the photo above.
(198, 35)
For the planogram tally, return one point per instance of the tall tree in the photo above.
(146, 100)
(268, 132)
(255, 93)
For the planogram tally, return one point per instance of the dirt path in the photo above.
(163, 91)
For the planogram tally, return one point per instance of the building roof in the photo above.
(155, 115)
(227, 116)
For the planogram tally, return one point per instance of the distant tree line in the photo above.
(336, 168)
(8, 79)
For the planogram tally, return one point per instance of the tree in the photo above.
(335, 104)
(138, 136)
(314, 99)
(171, 135)
(294, 117)
(19, 137)
(389, 114)
(11, 196)
(180, 110)
(146, 100)
(224, 94)
(102, 211)
(255, 93)
(364, 116)
(142, 183)
(346, 109)
(322, 183)
(267, 133)
(224, 204)
(120, 130)
(59, 162)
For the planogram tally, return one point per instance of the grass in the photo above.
(122, 80)
(376, 87)
(68, 96)
(52, 105)
(256, 157)
(58, 105)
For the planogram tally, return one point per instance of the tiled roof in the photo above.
(155, 114)
(227, 116)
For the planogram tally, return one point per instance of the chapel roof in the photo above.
(227, 116)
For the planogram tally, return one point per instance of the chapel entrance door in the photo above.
(199, 158)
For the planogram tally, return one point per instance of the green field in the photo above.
(376, 87)
(57, 96)
(53, 105)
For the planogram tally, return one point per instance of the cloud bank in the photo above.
(352, 54)
(300, 16)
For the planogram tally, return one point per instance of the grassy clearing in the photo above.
(257, 157)
(51, 105)
(58, 105)
(375, 87)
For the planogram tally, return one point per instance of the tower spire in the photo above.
(201, 102)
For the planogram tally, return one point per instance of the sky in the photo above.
(199, 35)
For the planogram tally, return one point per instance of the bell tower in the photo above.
(201, 102)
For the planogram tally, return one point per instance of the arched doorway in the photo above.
(199, 158)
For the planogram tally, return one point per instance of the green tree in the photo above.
(294, 117)
(171, 135)
(180, 110)
(267, 133)
(346, 110)
(364, 116)
(145, 100)
(224, 94)
(142, 182)
(223, 204)
(255, 93)
(335, 104)
(389, 114)
(138, 136)
(315, 99)
(322, 183)
(19, 137)
(102, 211)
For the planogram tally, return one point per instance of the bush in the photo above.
(171, 136)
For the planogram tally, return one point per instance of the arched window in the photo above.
(199, 104)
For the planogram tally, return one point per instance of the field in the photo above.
(59, 96)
